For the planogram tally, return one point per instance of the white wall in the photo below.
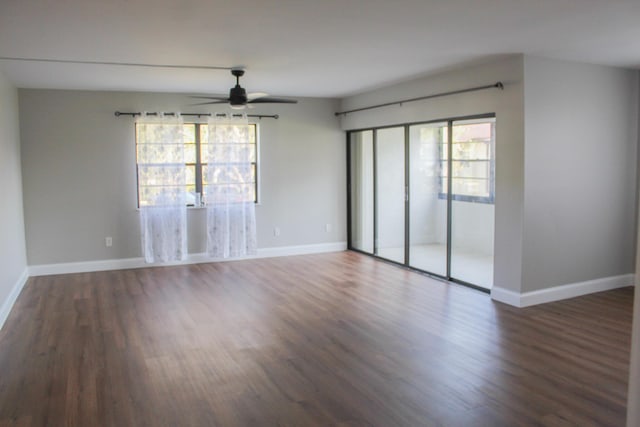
(79, 172)
(508, 106)
(13, 264)
(580, 172)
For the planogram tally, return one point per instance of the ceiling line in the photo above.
(124, 64)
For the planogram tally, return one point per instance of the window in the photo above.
(472, 161)
(195, 137)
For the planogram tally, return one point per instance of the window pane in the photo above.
(444, 169)
(472, 132)
(204, 133)
(229, 193)
(472, 169)
(160, 153)
(191, 195)
(150, 195)
(160, 175)
(152, 133)
(472, 162)
(190, 178)
(249, 150)
(228, 174)
(471, 150)
(233, 182)
(444, 150)
(189, 133)
(190, 153)
(234, 152)
(471, 187)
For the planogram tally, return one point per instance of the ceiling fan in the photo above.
(238, 97)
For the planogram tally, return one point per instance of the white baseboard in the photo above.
(7, 305)
(125, 263)
(506, 296)
(300, 250)
(561, 292)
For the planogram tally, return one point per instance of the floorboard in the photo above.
(332, 339)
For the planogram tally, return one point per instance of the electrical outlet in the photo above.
(327, 228)
(108, 242)
(276, 231)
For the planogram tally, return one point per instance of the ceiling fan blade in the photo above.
(239, 99)
(256, 95)
(269, 99)
(210, 103)
(215, 98)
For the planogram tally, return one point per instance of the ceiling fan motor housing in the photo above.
(237, 96)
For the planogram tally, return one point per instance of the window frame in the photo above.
(199, 178)
(443, 158)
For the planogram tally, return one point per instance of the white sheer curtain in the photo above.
(162, 186)
(229, 189)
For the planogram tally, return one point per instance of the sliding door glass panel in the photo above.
(472, 209)
(390, 194)
(427, 205)
(361, 167)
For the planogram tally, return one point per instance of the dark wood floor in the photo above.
(332, 339)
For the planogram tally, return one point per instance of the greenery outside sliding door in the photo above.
(422, 195)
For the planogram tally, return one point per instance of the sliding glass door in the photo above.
(422, 195)
(427, 208)
(472, 207)
(361, 191)
(390, 194)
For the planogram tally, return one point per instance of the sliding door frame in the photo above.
(407, 199)
(374, 143)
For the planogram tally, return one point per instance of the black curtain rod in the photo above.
(498, 85)
(260, 116)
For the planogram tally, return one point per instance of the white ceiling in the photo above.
(324, 48)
